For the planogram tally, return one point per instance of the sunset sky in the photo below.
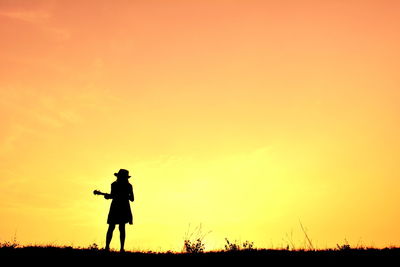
(247, 117)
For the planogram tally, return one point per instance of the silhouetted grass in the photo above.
(93, 255)
(234, 252)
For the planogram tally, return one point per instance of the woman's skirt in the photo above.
(120, 212)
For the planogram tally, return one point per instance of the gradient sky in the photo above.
(244, 116)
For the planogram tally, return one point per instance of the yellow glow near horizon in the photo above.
(243, 116)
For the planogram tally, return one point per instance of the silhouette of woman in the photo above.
(120, 210)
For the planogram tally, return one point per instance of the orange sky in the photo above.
(245, 116)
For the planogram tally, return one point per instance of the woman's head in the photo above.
(122, 175)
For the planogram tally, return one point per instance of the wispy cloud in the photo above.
(39, 115)
(31, 16)
(39, 18)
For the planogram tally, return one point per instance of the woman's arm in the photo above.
(111, 195)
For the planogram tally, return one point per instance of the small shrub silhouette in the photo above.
(9, 244)
(194, 242)
(196, 246)
(93, 246)
(344, 247)
(235, 246)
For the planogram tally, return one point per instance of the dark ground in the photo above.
(66, 256)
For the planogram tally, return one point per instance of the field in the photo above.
(68, 255)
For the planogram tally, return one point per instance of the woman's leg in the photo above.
(122, 235)
(110, 231)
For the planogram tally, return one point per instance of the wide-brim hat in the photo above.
(122, 173)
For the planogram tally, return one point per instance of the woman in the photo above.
(120, 210)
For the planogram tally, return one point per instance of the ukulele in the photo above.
(97, 192)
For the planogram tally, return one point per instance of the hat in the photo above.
(122, 173)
